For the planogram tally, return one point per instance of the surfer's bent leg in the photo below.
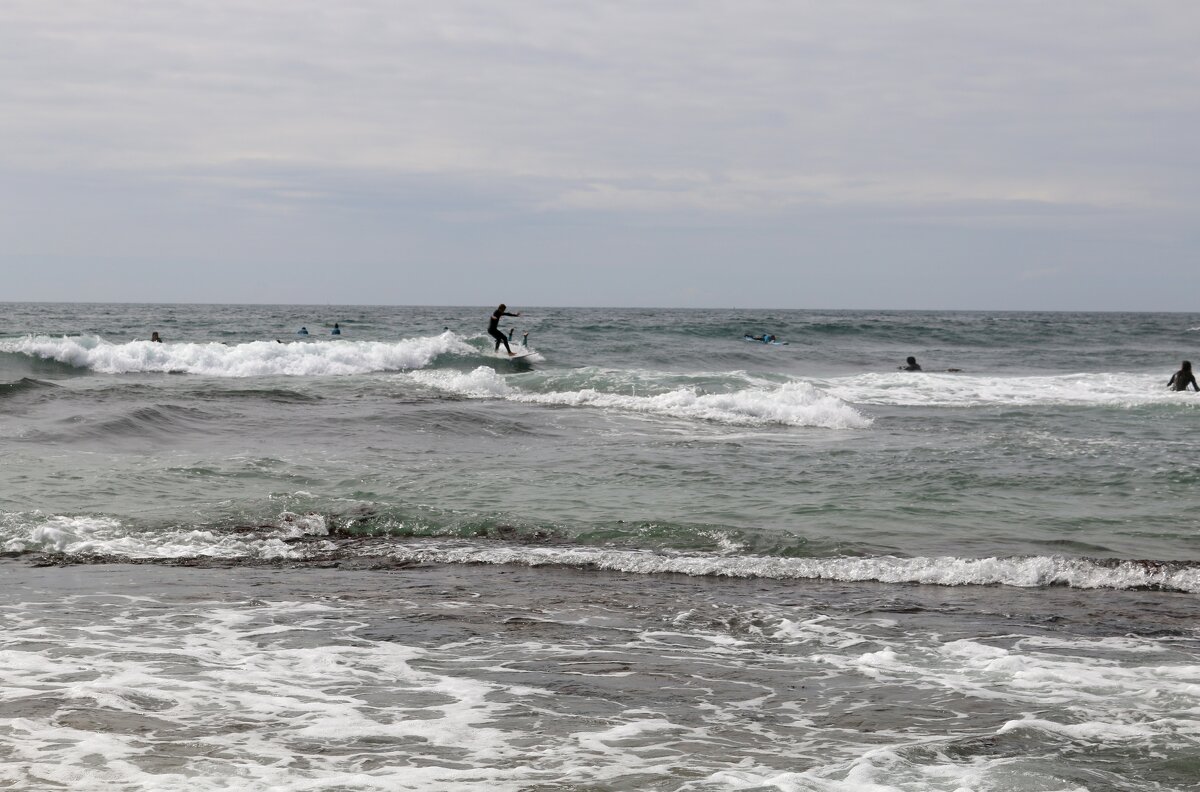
(500, 339)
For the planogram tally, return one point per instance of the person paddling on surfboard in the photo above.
(494, 330)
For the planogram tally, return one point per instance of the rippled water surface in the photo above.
(650, 539)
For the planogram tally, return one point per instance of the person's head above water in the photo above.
(503, 306)
(1187, 365)
(910, 360)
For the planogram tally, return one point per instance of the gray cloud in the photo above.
(659, 142)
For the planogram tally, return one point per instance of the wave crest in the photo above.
(307, 538)
(255, 358)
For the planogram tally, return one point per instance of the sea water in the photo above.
(650, 556)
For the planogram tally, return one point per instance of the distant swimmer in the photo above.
(154, 337)
(302, 331)
(1182, 378)
(337, 330)
(525, 339)
(911, 364)
(766, 338)
(494, 329)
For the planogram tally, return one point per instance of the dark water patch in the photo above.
(251, 469)
(272, 395)
(1074, 546)
(638, 535)
(456, 416)
(141, 422)
(24, 387)
(396, 524)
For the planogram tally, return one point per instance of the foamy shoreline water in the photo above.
(446, 677)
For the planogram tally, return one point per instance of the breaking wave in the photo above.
(253, 359)
(792, 403)
(305, 538)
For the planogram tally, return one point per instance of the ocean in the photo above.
(652, 555)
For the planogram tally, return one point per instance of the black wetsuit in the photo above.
(1181, 379)
(494, 329)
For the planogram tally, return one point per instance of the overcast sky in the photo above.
(995, 155)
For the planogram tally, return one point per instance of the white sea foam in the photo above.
(245, 694)
(90, 536)
(103, 536)
(483, 382)
(192, 692)
(253, 359)
(788, 404)
(1097, 700)
(1025, 572)
(968, 390)
(1091, 731)
(876, 770)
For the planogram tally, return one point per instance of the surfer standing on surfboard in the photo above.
(494, 329)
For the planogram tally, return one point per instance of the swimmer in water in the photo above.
(1182, 378)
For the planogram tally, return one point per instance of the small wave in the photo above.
(1023, 572)
(23, 386)
(256, 358)
(161, 421)
(305, 538)
(787, 404)
(275, 395)
(105, 537)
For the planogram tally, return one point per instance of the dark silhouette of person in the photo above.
(1182, 378)
(911, 364)
(494, 329)
(302, 331)
(337, 330)
(154, 337)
